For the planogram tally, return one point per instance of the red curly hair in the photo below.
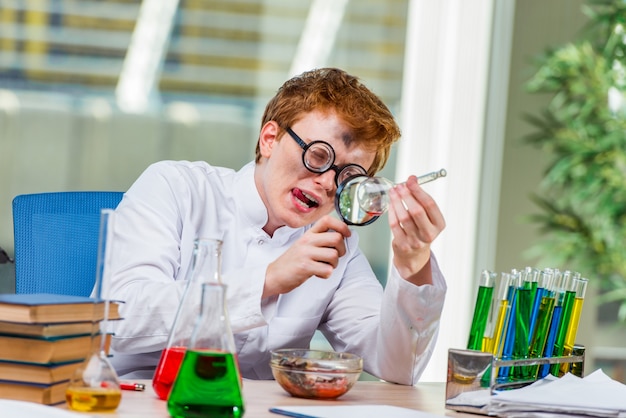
(333, 90)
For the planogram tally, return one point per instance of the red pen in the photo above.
(139, 387)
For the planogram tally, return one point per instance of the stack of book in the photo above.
(44, 339)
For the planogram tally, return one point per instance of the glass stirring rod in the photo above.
(372, 193)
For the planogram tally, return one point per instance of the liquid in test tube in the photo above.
(580, 286)
(567, 303)
(544, 318)
(481, 310)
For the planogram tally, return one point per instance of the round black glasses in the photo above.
(319, 157)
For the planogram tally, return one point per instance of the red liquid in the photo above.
(167, 370)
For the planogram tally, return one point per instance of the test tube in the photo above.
(509, 332)
(566, 300)
(481, 310)
(543, 278)
(554, 322)
(544, 317)
(531, 276)
(522, 311)
(501, 316)
(580, 286)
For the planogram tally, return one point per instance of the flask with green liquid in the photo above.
(208, 381)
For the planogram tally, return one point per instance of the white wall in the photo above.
(444, 101)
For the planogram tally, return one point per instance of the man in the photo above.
(290, 266)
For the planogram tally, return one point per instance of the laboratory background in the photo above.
(93, 91)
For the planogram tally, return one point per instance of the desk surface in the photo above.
(259, 396)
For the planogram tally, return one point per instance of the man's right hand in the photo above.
(316, 253)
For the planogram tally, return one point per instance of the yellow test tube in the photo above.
(580, 286)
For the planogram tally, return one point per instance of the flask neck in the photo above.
(204, 268)
(207, 261)
(212, 327)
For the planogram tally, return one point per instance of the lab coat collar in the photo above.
(249, 200)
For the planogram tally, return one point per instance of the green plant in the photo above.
(582, 197)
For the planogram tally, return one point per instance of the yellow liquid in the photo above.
(570, 335)
(87, 399)
(487, 344)
(496, 348)
(572, 328)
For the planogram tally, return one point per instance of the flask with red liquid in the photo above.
(209, 381)
(205, 267)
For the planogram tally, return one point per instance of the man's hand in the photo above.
(316, 253)
(415, 221)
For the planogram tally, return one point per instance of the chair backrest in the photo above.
(56, 240)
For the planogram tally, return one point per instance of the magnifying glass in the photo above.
(360, 200)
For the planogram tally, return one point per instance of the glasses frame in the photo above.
(331, 166)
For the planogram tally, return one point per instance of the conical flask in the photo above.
(208, 383)
(205, 267)
(95, 386)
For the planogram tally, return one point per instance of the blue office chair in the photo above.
(56, 240)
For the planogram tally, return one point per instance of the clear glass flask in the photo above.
(209, 381)
(95, 386)
(204, 267)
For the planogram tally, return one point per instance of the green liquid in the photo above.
(540, 334)
(481, 313)
(566, 314)
(523, 309)
(207, 385)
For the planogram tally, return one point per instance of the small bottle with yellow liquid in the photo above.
(95, 386)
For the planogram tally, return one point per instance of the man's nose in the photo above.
(327, 179)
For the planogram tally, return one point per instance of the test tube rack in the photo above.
(474, 371)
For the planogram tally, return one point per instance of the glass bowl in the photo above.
(315, 374)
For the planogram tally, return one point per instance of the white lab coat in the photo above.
(174, 202)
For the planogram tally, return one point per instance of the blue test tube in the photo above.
(509, 336)
(544, 278)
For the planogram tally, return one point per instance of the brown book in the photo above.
(41, 308)
(31, 392)
(45, 350)
(38, 373)
(49, 330)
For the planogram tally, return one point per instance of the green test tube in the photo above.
(522, 311)
(482, 308)
(566, 300)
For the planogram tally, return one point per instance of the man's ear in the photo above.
(268, 138)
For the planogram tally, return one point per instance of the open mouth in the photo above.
(305, 199)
